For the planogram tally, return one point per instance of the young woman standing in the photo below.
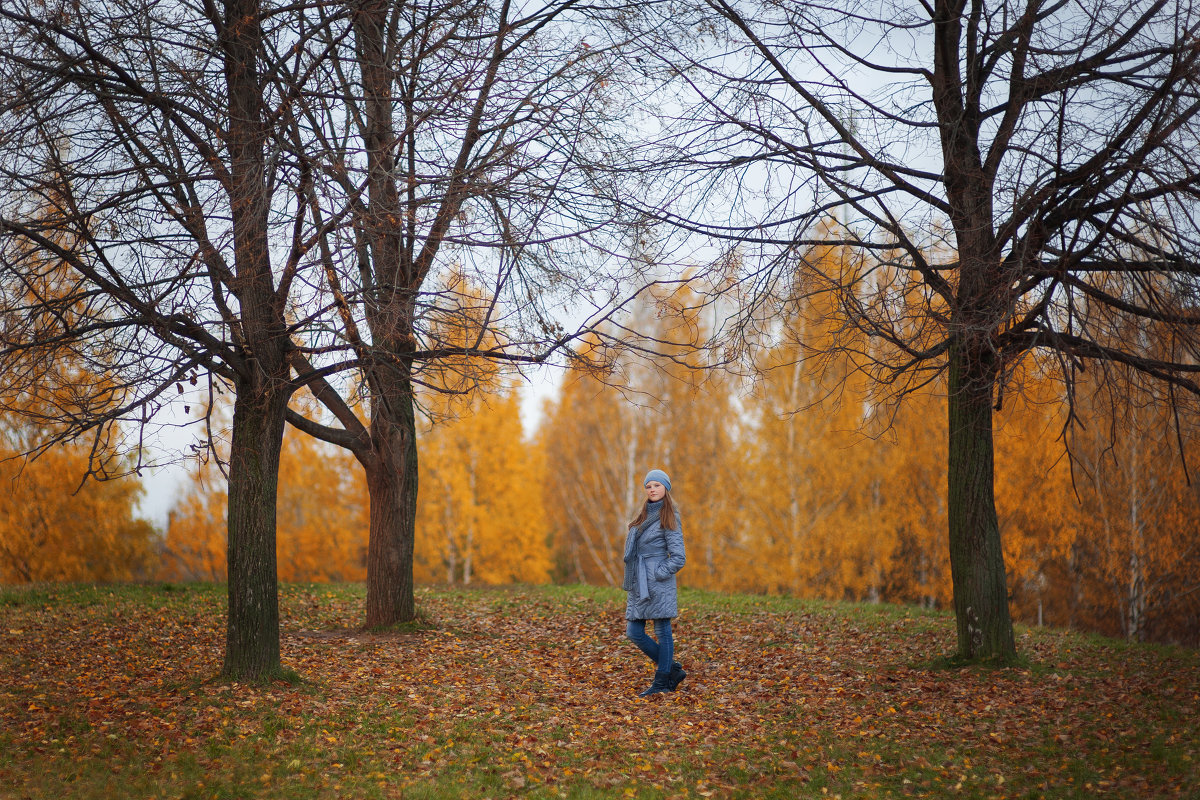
(653, 554)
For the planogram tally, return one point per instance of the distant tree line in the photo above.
(841, 500)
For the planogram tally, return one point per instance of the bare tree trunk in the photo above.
(1135, 612)
(451, 545)
(392, 486)
(469, 524)
(252, 631)
(262, 386)
(976, 559)
(392, 477)
(424, 130)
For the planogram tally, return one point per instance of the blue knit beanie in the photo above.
(658, 475)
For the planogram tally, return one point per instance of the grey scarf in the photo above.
(652, 513)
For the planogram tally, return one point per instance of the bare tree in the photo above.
(137, 155)
(1002, 163)
(456, 140)
(380, 196)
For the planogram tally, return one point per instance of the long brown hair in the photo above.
(666, 515)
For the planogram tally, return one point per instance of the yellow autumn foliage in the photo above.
(480, 516)
(194, 544)
(54, 529)
(321, 518)
(812, 483)
(54, 526)
(807, 482)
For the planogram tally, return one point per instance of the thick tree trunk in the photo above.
(976, 558)
(262, 388)
(392, 486)
(252, 631)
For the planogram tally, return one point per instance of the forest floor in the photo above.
(111, 692)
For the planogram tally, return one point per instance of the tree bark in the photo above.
(262, 383)
(976, 559)
(391, 470)
(252, 630)
(392, 464)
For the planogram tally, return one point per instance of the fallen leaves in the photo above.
(530, 691)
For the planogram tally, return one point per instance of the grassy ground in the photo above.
(109, 692)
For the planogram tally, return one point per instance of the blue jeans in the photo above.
(662, 652)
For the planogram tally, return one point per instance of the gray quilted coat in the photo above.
(652, 557)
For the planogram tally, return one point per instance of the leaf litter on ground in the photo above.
(111, 691)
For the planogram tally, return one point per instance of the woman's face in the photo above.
(655, 491)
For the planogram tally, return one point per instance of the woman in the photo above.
(653, 554)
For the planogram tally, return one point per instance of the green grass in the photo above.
(112, 691)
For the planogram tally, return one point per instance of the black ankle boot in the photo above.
(661, 684)
(676, 676)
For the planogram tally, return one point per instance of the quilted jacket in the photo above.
(652, 557)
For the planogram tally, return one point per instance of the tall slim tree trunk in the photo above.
(392, 487)
(262, 387)
(1136, 596)
(976, 558)
(252, 631)
(392, 471)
